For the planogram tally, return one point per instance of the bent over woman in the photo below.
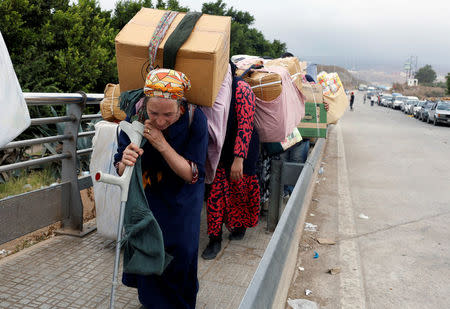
(173, 170)
(235, 196)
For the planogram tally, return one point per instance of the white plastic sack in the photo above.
(107, 197)
(14, 118)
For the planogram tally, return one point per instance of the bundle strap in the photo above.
(178, 37)
(158, 35)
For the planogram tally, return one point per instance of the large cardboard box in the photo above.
(296, 68)
(267, 86)
(312, 92)
(203, 57)
(314, 124)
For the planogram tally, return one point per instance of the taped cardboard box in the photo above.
(314, 124)
(312, 92)
(267, 86)
(203, 57)
(296, 68)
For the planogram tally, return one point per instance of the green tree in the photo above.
(125, 10)
(244, 40)
(57, 47)
(448, 83)
(21, 23)
(426, 75)
(85, 59)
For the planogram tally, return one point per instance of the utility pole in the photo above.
(407, 68)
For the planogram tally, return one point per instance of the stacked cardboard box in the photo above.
(314, 124)
(267, 86)
(203, 57)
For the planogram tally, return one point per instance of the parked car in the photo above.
(386, 100)
(409, 105)
(398, 102)
(417, 108)
(423, 114)
(439, 113)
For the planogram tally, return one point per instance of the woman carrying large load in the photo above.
(172, 160)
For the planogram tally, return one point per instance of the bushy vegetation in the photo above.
(27, 182)
(56, 46)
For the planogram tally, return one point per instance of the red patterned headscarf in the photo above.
(166, 83)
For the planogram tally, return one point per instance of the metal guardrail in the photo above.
(268, 278)
(24, 213)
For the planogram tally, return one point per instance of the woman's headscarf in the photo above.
(166, 83)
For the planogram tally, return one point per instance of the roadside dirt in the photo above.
(314, 259)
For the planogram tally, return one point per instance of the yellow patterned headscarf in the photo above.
(166, 83)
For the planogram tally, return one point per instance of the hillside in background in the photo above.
(422, 92)
(374, 77)
(348, 79)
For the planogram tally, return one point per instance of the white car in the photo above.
(407, 108)
(398, 102)
(409, 105)
(417, 108)
(386, 100)
(439, 113)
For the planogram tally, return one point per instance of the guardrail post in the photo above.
(276, 195)
(72, 204)
(282, 173)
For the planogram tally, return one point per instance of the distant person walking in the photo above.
(352, 99)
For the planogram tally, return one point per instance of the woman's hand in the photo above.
(237, 169)
(130, 154)
(155, 136)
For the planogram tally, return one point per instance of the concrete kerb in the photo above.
(270, 283)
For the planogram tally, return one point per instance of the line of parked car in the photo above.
(435, 112)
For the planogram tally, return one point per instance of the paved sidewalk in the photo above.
(68, 272)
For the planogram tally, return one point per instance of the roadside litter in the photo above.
(312, 215)
(301, 268)
(316, 255)
(310, 227)
(335, 270)
(308, 292)
(302, 304)
(4, 252)
(321, 171)
(363, 216)
(326, 241)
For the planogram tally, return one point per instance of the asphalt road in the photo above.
(384, 197)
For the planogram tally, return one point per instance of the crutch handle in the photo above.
(135, 132)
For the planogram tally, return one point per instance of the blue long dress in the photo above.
(176, 206)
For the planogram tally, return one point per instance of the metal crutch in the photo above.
(135, 132)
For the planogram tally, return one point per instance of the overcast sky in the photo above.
(356, 34)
